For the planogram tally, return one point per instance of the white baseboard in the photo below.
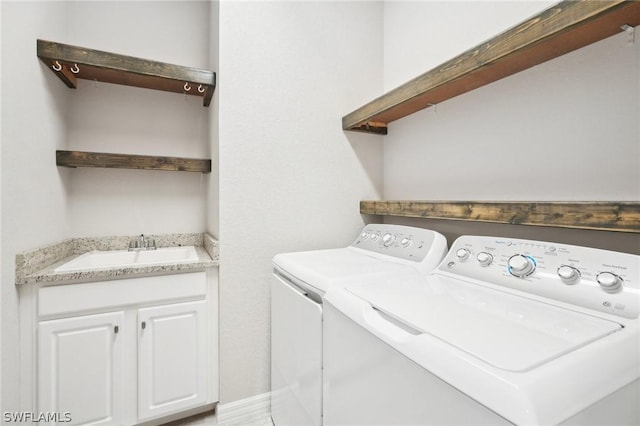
(255, 410)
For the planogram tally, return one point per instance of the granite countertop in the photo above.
(38, 266)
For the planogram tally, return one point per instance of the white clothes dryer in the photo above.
(299, 283)
(504, 331)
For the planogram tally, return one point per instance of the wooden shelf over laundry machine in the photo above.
(563, 28)
(603, 216)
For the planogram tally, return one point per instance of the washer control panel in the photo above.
(603, 280)
(404, 242)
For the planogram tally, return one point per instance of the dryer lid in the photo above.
(504, 330)
(322, 268)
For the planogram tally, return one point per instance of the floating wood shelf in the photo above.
(565, 27)
(128, 161)
(603, 216)
(127, 70)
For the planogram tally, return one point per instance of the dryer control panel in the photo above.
(602, 280)
(405, 242)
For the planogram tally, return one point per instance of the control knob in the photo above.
(388, 239)
(521, 265)
(484, 258)
(568, 274)
(609, 281)
(463, 254)
(406, 242)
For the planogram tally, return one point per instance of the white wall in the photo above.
(111, 118)
(213, 185)
(34, 200)
(1, 261)
(419, 35)
(290, 178)
(564, 130)
(539, 135)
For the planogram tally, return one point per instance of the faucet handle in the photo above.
(142, 243)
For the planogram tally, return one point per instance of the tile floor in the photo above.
(210, 419)
(203, 419)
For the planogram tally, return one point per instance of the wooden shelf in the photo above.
(128, 161)
(565, 27)
(603, 216)
(126, 70)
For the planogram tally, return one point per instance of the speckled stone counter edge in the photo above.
(36, 266)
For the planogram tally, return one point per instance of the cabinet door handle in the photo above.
(143, 325)
(116, 329)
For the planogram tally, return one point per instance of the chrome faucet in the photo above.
(142, 243)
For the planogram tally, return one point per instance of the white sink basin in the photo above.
(125, 258)
(167, 255)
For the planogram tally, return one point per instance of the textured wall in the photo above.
(419, 35)
(290, 178)
(34, 199)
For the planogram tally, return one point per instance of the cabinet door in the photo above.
(173, 367)
(80, 362)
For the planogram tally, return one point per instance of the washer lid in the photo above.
(322, 268)
(509, 332)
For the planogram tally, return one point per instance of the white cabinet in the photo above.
(172, 364)
(81, 368)
(127, 351)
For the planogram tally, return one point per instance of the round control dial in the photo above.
(406, 242)
(463, 254)
(609, 281)
(521, 265)
(568, 274)
(388, 239)
(484, 258)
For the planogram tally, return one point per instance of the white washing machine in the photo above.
(299, 283)
(504, 331)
